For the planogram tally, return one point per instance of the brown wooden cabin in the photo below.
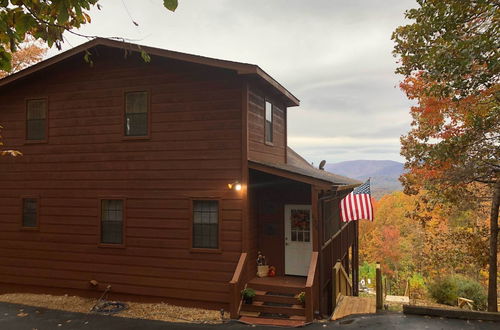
(124, 181)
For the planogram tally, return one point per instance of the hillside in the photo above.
(384, 174)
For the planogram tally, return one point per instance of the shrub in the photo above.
(417, 286)
(446, 291)
(472, 290)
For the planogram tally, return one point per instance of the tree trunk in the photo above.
(492, 276)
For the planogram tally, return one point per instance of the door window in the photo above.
(300, 225)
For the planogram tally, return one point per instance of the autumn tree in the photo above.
(44, 20)
(29, 53)
(449, 57)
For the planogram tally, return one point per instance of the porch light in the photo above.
(236, 185)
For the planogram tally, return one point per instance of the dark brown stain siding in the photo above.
(258, 149)
(194, 151)
(268, 197)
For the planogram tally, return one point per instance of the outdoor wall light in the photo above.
(236, 185)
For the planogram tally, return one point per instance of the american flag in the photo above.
(358, 204)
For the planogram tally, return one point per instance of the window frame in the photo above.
(124, 223)
(26, 102)
(124, 113)
(21, 222)
(266, 141)
(219, 225)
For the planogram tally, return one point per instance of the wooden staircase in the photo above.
(276, 302)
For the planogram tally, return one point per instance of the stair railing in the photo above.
(236, 285)
(341, 283)
(309, 289)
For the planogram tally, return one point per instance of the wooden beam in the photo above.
(245, 232)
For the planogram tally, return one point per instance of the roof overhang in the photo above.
(321, 184)
(239, 68)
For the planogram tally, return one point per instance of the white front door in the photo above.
(298, 237)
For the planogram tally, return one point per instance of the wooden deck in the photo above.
(354, 305)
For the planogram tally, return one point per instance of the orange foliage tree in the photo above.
(416, 237)
(449, 56)
(31, 52)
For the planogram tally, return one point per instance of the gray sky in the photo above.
(334, 55)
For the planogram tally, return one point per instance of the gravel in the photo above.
(157, 311)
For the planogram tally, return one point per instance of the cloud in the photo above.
(334, 55)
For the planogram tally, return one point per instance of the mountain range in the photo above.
(384, 174)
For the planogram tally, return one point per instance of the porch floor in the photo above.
(280, 281)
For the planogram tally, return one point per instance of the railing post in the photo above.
(235, 286)
(378, 287)
(334, 288)
(309, 289)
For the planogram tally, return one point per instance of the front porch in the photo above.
(285, 224)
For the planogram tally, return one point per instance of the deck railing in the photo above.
(236, 285)
(341, 283)
(310, 285)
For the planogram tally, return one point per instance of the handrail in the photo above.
(235, 286)
(309, 287)
(341, 283)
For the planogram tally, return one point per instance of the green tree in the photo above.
(46, 20)
(449, 56)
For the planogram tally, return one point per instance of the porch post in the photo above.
(315, 245)
(355, 260)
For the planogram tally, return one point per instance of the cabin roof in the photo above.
(298, 165)
(240, 68)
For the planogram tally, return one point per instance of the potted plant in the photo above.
(248, 295)
(302, 298)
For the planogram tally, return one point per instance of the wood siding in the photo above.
(194, 151)
(258, 148)
(269, 195)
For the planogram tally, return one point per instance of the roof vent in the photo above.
(322, 165)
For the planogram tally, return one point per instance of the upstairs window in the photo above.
(36, 120)
(269, 122)
(112, 221)
(136, 114)
(30, 213)
(206, 224)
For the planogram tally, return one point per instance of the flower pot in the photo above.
(248, 300)
(262, 271)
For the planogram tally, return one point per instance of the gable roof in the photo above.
(238, 67)
(298, 165)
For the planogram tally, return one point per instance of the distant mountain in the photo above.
(384, 174)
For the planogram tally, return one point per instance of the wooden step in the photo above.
(275, 288)
(258, 306)
(264, 296)
(273, 322)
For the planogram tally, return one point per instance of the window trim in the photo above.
(192, 249)
(123, 244)
(26, 101)
(270, 143)
(21, 220)
(124, 116)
